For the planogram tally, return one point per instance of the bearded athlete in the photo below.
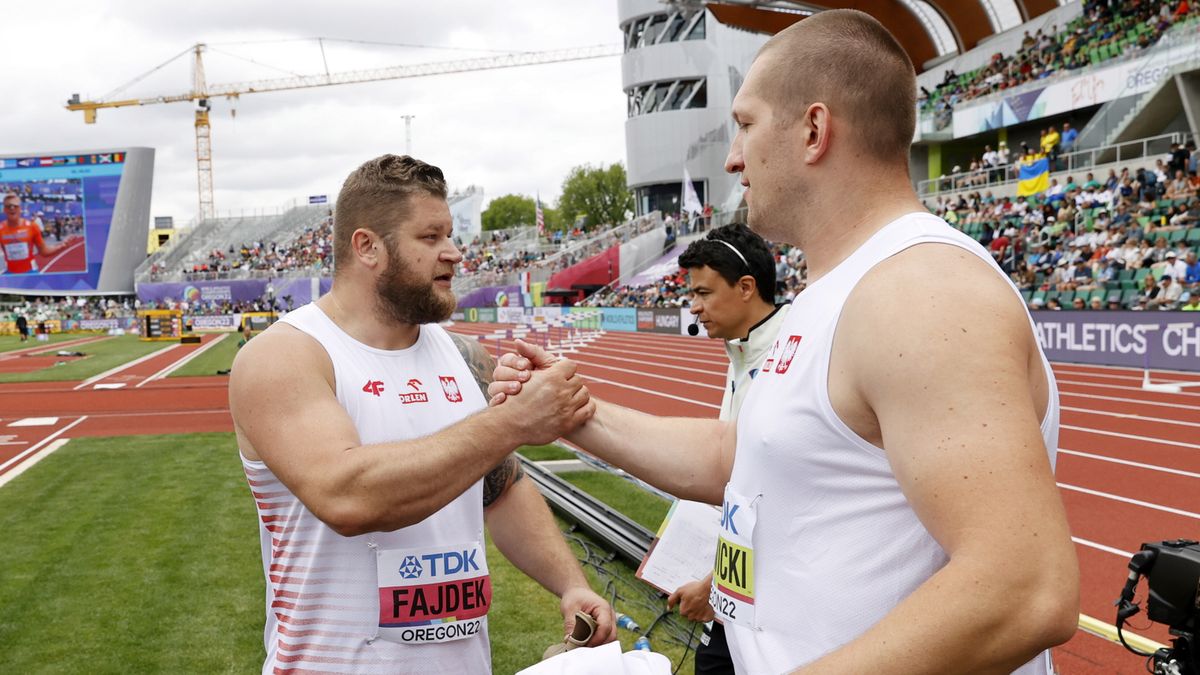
(375, 463)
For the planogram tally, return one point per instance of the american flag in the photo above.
(541, 218)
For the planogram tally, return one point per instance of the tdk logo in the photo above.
(727, 511)
(410, 568)
(452, 562)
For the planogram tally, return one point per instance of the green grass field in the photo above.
(9, 343)
(101, 356)
(648, 510)
(141, 554)
(215, 358)
(541, 453)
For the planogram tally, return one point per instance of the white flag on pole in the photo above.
(691, 202)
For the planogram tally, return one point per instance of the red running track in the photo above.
(72, 259)
(1128, 464)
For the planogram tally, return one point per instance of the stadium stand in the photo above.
(1104, 32)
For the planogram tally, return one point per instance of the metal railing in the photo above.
(966, 181)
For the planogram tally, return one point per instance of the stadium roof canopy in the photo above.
(927, 29)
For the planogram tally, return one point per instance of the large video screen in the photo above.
(64, 212)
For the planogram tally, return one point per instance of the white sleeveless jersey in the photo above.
(412, 600)
(834, 545)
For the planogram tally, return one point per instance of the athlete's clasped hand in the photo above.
(549, 394)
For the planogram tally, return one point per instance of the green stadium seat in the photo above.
(1027, 294)
(1193, 236)
(1125, 275)
(1039, 295)
(1127, 297)
(1113, 296)
(1178, 236)
(1082, 295)
(1098, 293)
(1141, 274)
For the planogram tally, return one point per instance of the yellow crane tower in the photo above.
(201, 91)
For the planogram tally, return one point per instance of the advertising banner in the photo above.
(1158, 340)
(492, 296)
(510, 314)
(619, 318)
(666, 320)
(214, 322)
(1130, 78)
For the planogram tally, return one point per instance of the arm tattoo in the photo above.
(500, 478)
(482, 364)
(478, 360)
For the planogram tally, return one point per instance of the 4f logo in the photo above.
(373, 387)
(417, 397)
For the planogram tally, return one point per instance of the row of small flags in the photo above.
(67, 160)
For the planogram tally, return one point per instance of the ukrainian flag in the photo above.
(1034, 177)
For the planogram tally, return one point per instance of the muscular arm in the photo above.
(482, 365)
(956, 391)
(524, 530)
(689, 457)
(289, 417)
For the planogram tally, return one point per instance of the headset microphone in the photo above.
(693, 329)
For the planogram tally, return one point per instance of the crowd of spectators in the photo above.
(1106, 29)
(672, 290)
(311, 251)
(72, 309)
(1129, 242)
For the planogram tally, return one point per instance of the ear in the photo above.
(366, 246)
(747, 288)
(817, 132)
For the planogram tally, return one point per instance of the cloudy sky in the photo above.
(517, 130)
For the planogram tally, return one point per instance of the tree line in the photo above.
(590, 196)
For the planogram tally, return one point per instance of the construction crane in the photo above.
(202, 92)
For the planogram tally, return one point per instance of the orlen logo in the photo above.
(373, 387)
(417, 397)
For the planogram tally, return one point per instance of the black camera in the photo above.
(1172, 572)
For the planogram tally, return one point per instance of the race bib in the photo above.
(435, 594)
(16, 251)
(732, 594)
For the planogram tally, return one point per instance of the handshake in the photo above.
(542, 392)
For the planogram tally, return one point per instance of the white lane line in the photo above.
(35, 422)
(40, 443)
(69, 249)
(43, 454)
(1101, 547)
(1127, 500)
(41, 348)
(1131, 437)
(693, 383)
(1138, 401)
(1084, 368)
(1126, 462)
(1077, 383)
(1132, 416)
(652, 392)
(123, 366)
(181, 362)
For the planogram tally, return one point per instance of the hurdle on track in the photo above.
(1166, 386)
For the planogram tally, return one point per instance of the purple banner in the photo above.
(493, 296)
(667, 264)
(288, 292)
(1157, 340)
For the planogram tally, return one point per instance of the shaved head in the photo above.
(848, 61)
